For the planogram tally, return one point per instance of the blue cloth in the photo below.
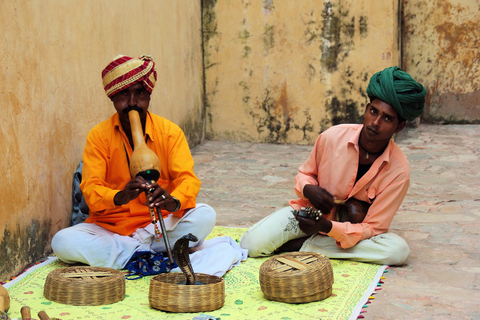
(80, 209)
(147, 263)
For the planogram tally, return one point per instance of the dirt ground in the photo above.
(439, 218)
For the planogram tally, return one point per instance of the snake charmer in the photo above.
(350, 162)
(119, 221)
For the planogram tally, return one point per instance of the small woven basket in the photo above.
(85, 286)
(167, 294)
(297, 277)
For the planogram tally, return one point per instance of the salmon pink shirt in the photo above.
(333, 165)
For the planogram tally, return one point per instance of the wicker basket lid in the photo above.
(85, 286)
(297, 277)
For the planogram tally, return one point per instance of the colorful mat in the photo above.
(354, 282)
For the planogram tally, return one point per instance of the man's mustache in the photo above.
(130, 108)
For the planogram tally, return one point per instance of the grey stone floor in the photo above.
(439, 218)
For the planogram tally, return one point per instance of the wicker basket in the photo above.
(85, 286)
(168, 295)
(297, 277)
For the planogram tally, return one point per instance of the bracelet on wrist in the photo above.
(178, 205)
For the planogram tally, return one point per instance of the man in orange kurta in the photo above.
(351, 161)
(119, 221)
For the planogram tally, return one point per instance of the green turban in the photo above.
(398, 89)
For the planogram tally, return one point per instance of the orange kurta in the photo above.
(333, 165)
(106, 172)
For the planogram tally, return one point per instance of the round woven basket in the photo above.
(85, 286)
(297, 277)
(167, 294)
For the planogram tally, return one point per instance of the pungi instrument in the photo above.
(352, 210)
(145, 163)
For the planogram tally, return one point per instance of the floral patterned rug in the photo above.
(354, 282)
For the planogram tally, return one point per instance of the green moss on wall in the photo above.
(268, 39)
(338, 32)
(342, 111)
(23, 244)
(209, 28)
(330, 46)
(275, 126)
(194, 127)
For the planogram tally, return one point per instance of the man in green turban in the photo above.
(354, 181)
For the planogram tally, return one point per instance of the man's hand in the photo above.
(132, 190)
(310, 226)
(320, 198)
(161, 198)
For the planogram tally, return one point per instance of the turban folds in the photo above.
(400, 90)
(124, 72)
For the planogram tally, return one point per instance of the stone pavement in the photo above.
(439, 218)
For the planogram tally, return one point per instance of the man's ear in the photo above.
(400, 126)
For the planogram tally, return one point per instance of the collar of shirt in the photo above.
(383, 158)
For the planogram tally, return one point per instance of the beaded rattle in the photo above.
(308, 212)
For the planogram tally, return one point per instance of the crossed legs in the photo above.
(279, 232)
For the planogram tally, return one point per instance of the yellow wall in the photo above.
(52, 54)
(441, 49)
(283, 71)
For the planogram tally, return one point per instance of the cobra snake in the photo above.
(182, 257)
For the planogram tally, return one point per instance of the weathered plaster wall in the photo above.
(283, 71)
(51, 58)
(441, 41)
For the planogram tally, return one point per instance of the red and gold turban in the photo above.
(124, 72)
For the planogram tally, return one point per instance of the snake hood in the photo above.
(182, 257)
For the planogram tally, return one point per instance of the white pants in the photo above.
(96, 246)
(263, 238)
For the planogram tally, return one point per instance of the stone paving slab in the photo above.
(440, 217)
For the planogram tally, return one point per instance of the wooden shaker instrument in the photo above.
(43, 315)
(25, 312)
(4, 299)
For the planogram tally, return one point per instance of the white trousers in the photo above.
(263, 238)
(96, 246)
